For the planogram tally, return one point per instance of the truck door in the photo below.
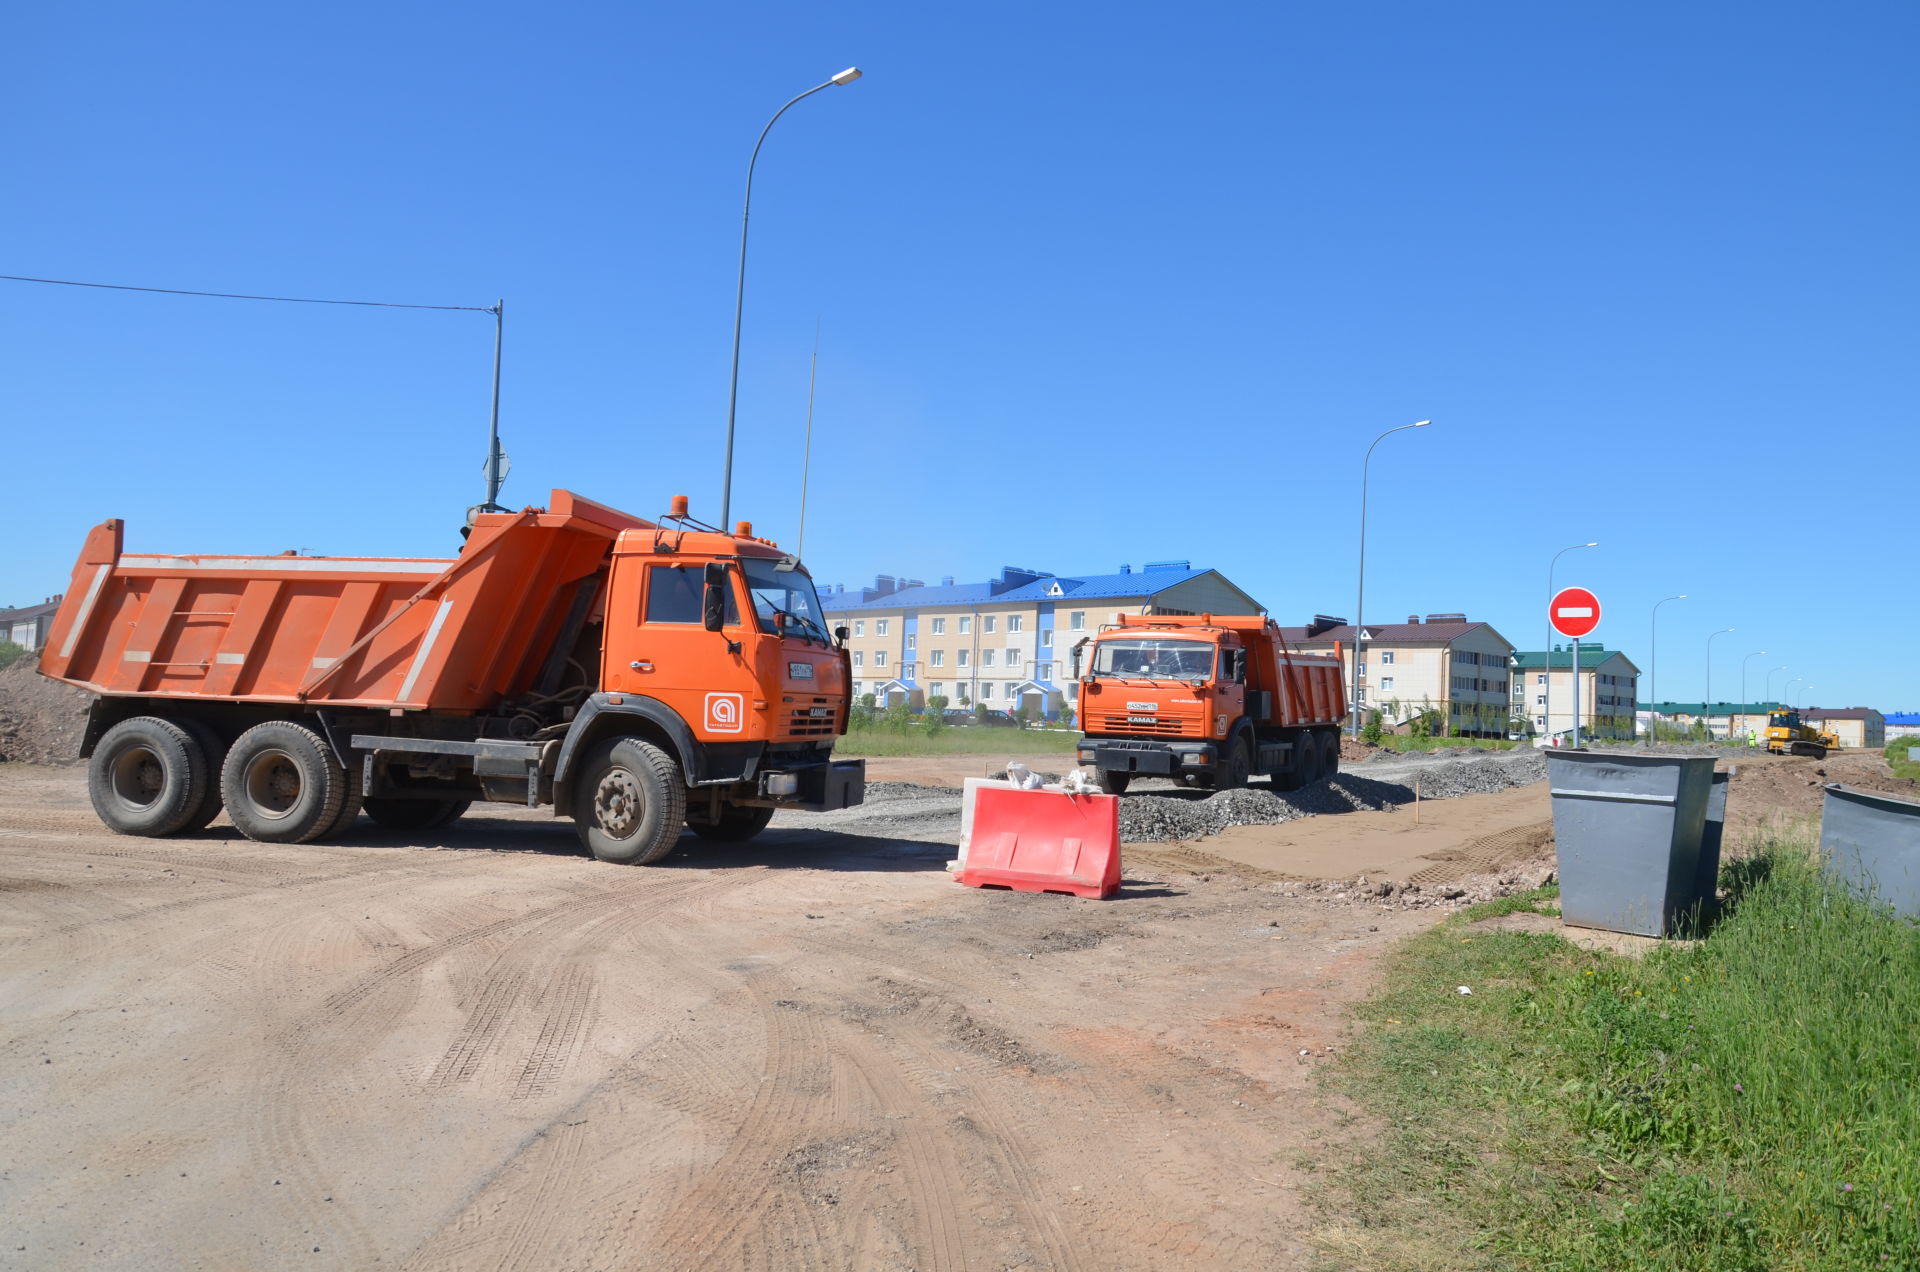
(1230, 703)
(675, 659)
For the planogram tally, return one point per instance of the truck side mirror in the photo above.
(1239, 665)
(1076, 662)
(713, 602)
(840, 634)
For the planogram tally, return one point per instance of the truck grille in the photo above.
(805, 724)
(1120, 722)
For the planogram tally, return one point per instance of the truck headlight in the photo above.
(783, 783)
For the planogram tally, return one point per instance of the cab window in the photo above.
(674, 593)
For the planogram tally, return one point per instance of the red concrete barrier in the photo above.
(1044, 841)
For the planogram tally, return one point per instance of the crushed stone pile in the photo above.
(41, 720)
(1159, 817)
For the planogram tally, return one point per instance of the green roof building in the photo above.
(1543, 690)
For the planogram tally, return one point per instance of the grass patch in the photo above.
(957, 741)
(1743, 1103)
(1901, 760)
(1399, 742)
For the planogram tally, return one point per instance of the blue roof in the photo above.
(1081, 587)
(1902, 717)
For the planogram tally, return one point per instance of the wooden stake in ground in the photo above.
(1416, 799)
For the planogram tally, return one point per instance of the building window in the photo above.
(938, 657)
(1540, 700)
(986, 623)
(966, 625)
(936, 689)
(1013, 658)
(1386, 655)
(1073, 691)
(1540, 680)
(939, 627)
(1014, 621)
(1043, 671)
(859, 627)
(859, 658)
(909, 671)
(910, 640)
(986, 690)
(1386, 684)
(960, 658)
(879, 657)
(1360, 694)
(880, 626)
(986, 658)
(1046, 638)
(1077, 621)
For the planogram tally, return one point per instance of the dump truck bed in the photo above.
(417, 633)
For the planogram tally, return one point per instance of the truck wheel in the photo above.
(1112, 781)
(411, 814)
(630, 802)
(737, 824)
(216, 752)
(282, 784)
(1330, 755)
(148, 776)
(1234, 766)
(350, 807)
(453, 812)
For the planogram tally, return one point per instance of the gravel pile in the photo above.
(1157, 817)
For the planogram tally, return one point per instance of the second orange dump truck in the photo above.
(1208, 700)
(640, 677)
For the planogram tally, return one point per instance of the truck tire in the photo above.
(282, 785)
(148, 776)
(350, 807)
(737, 824)
(630, 802)
(216, 752)
(1330, 755)
(1112, 781)
(412, 814)
(1235, 765)
(453, 812)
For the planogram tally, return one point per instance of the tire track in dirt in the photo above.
(569, 1006)
(349, 1023)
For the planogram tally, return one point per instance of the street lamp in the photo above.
(1547, 706)
(847, 76)
(1707, 703)
(1800, 697)
(1781, 667)
(1743, 687)
(1788, 697)
(1653, 667)
(1359, 618)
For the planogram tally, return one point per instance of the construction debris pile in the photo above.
(1159, 816)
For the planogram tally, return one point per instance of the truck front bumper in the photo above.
(1119, 755)
(814, 788)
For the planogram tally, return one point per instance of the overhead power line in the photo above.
(293, 300)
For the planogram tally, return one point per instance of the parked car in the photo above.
(997, 719)
(957, 716)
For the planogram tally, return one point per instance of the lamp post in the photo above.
(847, 76)
(1770, 675)
(1743, 687)
(1801, 697)
(1707, 702)
(1360, 597)
(1653, 667)
(1546, 711)
(1784, 689)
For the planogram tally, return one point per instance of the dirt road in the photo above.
(484, 1051)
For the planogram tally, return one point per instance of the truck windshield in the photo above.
(784, 600)
(1154, 659)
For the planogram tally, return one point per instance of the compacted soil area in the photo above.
(478, 1049)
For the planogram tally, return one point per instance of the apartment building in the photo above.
(1854, 726)
(1006, 642)
(1448, 663)
(1609, 681)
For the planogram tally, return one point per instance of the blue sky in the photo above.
(1096, 284)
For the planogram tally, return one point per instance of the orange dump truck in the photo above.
(1208, 700)
(641, 677)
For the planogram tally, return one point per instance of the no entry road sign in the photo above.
(1574, 612)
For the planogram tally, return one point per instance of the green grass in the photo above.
(1396, 742)
(957, 741)
(1743, 1103)
(1900, 758)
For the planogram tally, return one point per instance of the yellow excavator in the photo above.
(1787, 735)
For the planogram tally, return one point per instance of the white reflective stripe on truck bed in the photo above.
(86, 608)
(297, 565)
(426, 647)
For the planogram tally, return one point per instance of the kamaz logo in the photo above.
(1143, 706)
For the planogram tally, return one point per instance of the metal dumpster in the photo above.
(1707, 877)
(1627, 831)
(1871, 843)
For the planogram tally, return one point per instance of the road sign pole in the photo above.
(1576, 693)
